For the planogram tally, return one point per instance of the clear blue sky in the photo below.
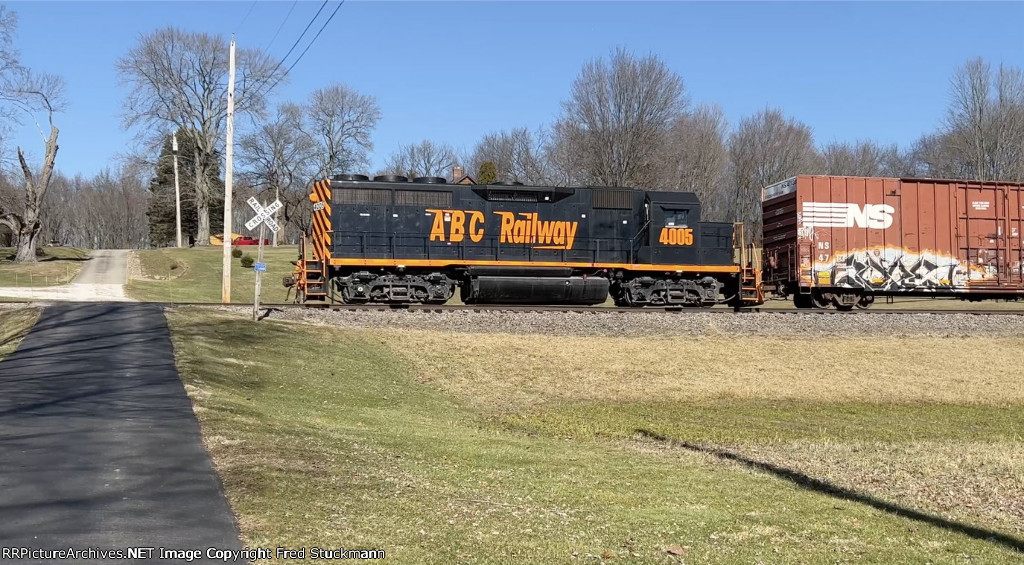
(453, 71)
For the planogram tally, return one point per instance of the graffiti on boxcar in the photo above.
(895, 269)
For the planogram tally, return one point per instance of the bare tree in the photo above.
(860, 159)
(25, 92)
(900, 163)
(341, 121)
(423, 159)
(620, 112)
(564, 164)
(105, 211)
(516, 155)
(984, 128)
(694, 159)
(177, 81)
(766, 148)
(279, 159)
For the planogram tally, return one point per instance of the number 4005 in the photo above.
(676, 236)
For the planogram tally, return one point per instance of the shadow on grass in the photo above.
(805, 481)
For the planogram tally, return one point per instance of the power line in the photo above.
(296, 44)
(340, 4)
(246, 17)
(284, 21)
(331, 17)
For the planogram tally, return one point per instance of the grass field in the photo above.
(14, 325)
(59, 265)
(194, 275)
(445, 448)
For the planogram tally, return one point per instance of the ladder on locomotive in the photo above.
(749, 260)
(309, 277)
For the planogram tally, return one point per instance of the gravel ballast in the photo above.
(659, 323)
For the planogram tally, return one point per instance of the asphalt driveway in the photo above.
(98, 443)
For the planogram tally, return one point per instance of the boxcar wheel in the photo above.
(803, 301)
(865, 302)
(820, 301)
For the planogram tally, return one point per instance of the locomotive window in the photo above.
(676, 218)
(424, 198)
(372, 196)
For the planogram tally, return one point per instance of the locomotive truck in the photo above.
(394, 241)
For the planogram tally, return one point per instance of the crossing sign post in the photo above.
(264, 219)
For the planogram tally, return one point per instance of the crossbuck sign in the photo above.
(263, 215)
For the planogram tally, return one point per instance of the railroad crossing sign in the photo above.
(263, 215)
(264, 219)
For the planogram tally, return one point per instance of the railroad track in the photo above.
(598, 309)
(577, 309)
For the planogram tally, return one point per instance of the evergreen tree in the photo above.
(488, 173)
(161, 203)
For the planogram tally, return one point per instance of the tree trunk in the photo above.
(28, 223)
(28, 236)
(203, 212)
(203, 201)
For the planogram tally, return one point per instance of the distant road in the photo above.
(106, 266)
(101, 279)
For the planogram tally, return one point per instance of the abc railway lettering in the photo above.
(527, 228)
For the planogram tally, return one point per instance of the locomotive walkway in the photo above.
(99, 447)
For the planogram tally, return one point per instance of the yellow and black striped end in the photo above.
(322, 232)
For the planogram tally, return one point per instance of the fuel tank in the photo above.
(535, 290)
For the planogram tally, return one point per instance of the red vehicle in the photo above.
(842, 241)
(246, 240)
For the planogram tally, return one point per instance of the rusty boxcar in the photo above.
(842, 241)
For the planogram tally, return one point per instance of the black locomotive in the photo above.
(393, 241)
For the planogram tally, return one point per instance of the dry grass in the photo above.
(14, 325)
(503, 370)
(194, 275)
(930, 424)
(57, 266)
(346, 448)
(963, 481)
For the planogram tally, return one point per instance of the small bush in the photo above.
(236, 253)
(247, 261)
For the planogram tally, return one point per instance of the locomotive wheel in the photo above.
(865, 302)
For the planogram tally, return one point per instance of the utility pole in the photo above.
(177, 188)
(225, 283)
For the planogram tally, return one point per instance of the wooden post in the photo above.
(277, 196)
(229, 151)
(259, 275)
